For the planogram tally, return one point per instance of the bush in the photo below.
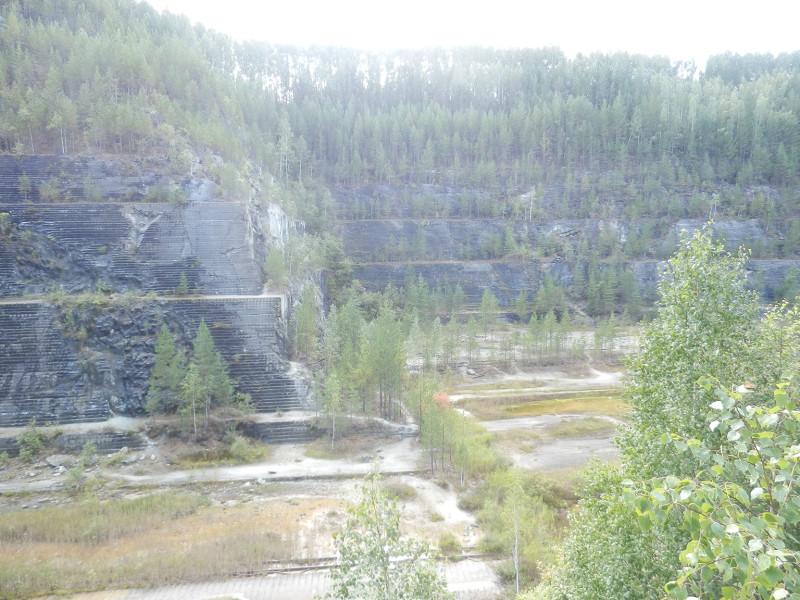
(448, 544)
(30, 442)
(243, 450)
(400, 491)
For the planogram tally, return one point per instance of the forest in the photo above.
(703, 502)
(119, 77)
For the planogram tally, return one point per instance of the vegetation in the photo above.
(742, 510)
(192, 387)
(30, 442)
(373, 560)
(153, 540)
(690, 527)
(516, 136)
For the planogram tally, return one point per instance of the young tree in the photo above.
(706, 325)
(521, 306)
(489, 311)
(706, 321)
(275, 269)
(333, 405)
(207, 382)
(164, 390)
(742, 511)
(471, 337)
(382, 360)
(374, 562)
(305, 324)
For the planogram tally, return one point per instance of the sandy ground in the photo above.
(541, 382)
(322, 488)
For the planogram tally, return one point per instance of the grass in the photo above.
(153, 540)
(92, 522)
(525, 440)
(581, 427)
(344, 447)
(490, 409)
(240, 452)
(398, 490)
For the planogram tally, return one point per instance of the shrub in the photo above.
(30, 442)
(400, 491)
(448, 544)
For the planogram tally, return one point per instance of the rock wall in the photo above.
(68, 358)
(449, 251)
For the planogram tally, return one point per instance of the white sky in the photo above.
(680, 29)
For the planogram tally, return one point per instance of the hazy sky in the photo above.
(680, 29)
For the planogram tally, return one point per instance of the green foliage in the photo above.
(30, 442)
(519, 515)
(448, 544)
(705, 326)
(382, 362)
(88, 453)
(373, 560)
(489, 312)
(206, 382)
(275, 269)
(304, 320)
(241, 449)
(169, 370)
(605, 553)
(399, 491)
(742, 510)
(183, 286)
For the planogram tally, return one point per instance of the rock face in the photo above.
(450, 251)
(85, 358)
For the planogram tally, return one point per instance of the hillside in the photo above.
(585, 169)
(139, 150)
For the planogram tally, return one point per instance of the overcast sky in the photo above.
(680, 29)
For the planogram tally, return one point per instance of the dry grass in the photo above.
(398, 490)
(179, 538)
(344, 447)
(490, 409)
(526, 440)
(581, 427)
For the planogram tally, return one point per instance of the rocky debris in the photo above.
(60, 460)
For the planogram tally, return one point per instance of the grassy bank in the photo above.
(158, 539)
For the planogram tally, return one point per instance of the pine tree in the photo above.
(207, 382)
(164, 390)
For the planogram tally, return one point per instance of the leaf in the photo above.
(732, 529)
(755, 545)
(756, 492)
(645, 524)
(773, 575)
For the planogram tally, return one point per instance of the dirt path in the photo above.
(289, 463)
(540, 382)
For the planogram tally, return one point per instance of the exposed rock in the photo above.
(87, 360)
(60, 460)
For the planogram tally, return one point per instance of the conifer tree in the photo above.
(164, 390)
(207, 382)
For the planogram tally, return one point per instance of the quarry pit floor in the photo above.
(318, 490)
